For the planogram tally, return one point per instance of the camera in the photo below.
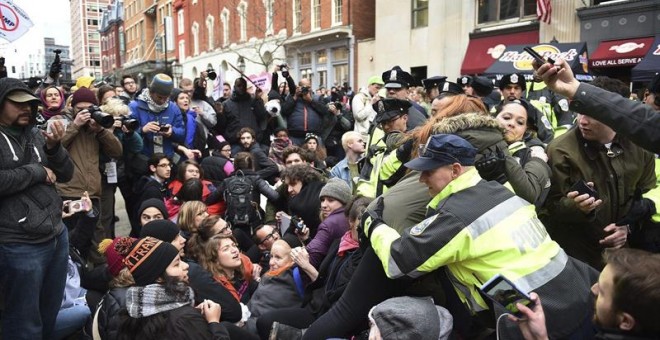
(74, 207)
(273, 107)
(163, 128)
(284, 68)
(297, 223)
(304, 90)
(130, 124)
(210, 72)
(104, 119)
(338, 105)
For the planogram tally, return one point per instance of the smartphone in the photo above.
(539, 59)
(164, 128)
(297, 223)
(506, 294)
(582, 188)
(285, 222)
(50, 122)
(75, 206)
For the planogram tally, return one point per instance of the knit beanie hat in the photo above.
(153, 203)
(148, 260)
(84, 81)
(337, 189)
(161, 84)
(115, 251)
(84, 94)
(164, 230)
(408, 317)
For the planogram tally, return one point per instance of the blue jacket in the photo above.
(171, 115)
(342, 171)
(190, 128)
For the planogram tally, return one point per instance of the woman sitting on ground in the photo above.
(190, 169)
(190, 217)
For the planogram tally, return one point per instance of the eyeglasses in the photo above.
(165, 165)
(225, 229)
(268, 237)
(225, 150)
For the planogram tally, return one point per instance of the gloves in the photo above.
(491, 166)
(640, 210)
(371, 219)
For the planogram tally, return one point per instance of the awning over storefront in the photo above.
(483, 51)
(620, 53)
(650, 65)
(516, 60)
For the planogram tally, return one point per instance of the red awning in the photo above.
(617, 53)
(482, 52)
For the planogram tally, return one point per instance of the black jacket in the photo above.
(206, 287)
(259, 186)
(187, 323)
(244, 111)
(214, 168)
(108, 319)
(264, 166)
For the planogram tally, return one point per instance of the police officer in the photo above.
(397, 84)
(432, 86)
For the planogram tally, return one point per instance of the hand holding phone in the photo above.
(539, 59)
(506, 294)
(582, 188)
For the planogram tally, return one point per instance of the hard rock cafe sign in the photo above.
(522, 61)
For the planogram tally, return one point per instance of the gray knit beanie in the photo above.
(161, 84)
(337, 189)
(408, 317)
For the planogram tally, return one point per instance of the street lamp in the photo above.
(241, 65)
(177, 72)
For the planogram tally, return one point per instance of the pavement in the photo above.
(123, 226)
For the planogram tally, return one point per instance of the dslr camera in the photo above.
(304, 90)
(338, 105)
(284, 68)
(210, 72)
(130, 124)
(104, 119)
(297, 223)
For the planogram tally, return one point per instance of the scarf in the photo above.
(153, 107)
(47, 111)
(347, 243)
(276, 151)
(154, 299)
(237, 294)
(277, 272)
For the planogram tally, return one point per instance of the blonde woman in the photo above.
(190, 217)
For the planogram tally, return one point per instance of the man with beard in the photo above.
(303, 113)
(243, 111)
(264, 166)
(33, 240)
(627, 299)
(130, 88)
(513, 87)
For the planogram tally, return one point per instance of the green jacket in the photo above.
(615, 178)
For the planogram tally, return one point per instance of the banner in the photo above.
(262, 80)
(14, 22)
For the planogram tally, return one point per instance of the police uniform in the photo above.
(433, 83)
(397, 78)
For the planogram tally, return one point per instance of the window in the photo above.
(209, 26)
(321, 57)
(268, 4)
(341, 73)
(337, 6)
(195, 32)
(316, 14)
(180, 21)
(420, 13)
(92, 22)
(182, 50)
(497, 10)
(305, 58)
(224, 16)
(297, 15)
(242, 16)
(340, 54)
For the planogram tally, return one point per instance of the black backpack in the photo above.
(241, 212)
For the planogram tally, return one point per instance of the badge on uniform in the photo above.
(393, 75)
(464, 80)
(514, 78)
(419, 228)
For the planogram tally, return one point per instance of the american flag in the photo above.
(544, 11)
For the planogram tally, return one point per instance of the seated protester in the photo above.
(525, 148)
(107, 313)
(160, 306)
(328, 282)
(265, 168)
(190, 218)
(627, 299)
(277, 147)
(167, 231)
(218, 165)
(281, 287)
(190, 169)
(303, 185)
(152, 209)
(194, 145)
(408, 317)
(153, 185)
(311, 144)
(334, 197)
(222, 259)
(242, 194)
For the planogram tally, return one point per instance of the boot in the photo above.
(280, 331)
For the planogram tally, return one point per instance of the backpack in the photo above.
(241, 211)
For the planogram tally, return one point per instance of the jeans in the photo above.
(33, 278)
(70, 320)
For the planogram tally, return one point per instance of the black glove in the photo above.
(371, 219)
(640, 210)
(55, 69)
(491, 166)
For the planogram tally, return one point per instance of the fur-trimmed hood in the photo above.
(483, 132)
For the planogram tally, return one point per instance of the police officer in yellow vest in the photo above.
(391, 118)
(553, 106)
(477, 229)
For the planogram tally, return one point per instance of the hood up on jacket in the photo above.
(483, 132)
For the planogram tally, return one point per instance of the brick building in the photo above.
(113, 42)
(85, 37)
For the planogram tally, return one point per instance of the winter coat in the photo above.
(243, 111)
(275, 292)
(108, 313)
(206, 287)
(171, 115)
(217, 168)
(616, 177)
(303, 117)
(265, 167)
(186, 323)
(259, 186)
(210, 196)
(363, 112)
(30, 209)
(331, 229)
(85, 147)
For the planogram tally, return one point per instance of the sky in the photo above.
(51, 18)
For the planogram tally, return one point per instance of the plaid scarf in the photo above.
(153, 299)
(153, 107)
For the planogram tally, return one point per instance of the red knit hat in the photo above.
(115, 251)
(84, 94)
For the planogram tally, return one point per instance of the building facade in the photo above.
(113, 42)
(86, 16)
(65, 58)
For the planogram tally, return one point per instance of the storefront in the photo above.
(650, 64)
(485, 49)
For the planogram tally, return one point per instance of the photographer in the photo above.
(282, 88)
(304, 114)
(85, 139)
(243, 111)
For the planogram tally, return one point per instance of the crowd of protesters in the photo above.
(307, 213)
